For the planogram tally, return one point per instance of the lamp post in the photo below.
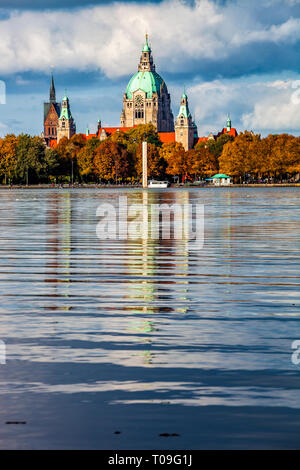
(145, 165)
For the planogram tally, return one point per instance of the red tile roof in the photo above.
(166, 137)
(112, 130)
(201, 139)
(232, 132)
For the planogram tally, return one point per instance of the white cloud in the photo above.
(261, 105)
(278, 110)
(109, 37)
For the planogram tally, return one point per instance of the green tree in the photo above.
(131, 139)
(30, 156)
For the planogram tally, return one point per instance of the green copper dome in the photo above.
(149, 82)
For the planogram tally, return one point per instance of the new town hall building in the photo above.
(146, 100)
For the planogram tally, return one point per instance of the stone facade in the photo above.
(146, 99)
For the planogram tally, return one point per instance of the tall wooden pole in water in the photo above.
(145, 166)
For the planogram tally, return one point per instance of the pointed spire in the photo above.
(146, 47)
(52, 91)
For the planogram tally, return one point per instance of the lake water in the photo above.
(143, 338)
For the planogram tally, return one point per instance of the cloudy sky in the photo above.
(233, 56)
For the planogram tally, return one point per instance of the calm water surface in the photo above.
(146, 337)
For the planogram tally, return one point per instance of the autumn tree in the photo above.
(111, 161)
(8, 157)
(203, 162)
(237, 156)
(64, 159)
(176, 158)
(156, 163)
(85, 158)
(131, 138)
(215, 147)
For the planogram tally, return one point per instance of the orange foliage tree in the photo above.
(111, 161)
(156, 163)
(8, 157)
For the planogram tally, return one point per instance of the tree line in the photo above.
(118, 159)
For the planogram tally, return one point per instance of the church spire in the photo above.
(52, 91)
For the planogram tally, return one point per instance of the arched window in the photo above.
(139, 114)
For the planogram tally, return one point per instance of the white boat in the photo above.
(158, 184)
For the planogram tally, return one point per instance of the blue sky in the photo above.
(233, 56)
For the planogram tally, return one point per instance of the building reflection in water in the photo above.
(160, 258)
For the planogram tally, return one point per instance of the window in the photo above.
(139, 114)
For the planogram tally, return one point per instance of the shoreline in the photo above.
(173, 186)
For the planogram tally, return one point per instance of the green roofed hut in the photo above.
(221, 180)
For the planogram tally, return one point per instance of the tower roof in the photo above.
(65, 109)
(184, 107)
